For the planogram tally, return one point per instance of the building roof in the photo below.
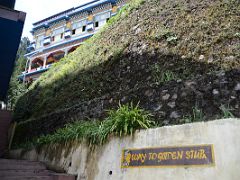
(71, 11)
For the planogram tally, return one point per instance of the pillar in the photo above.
(30, 65)
(65, 52)
(45, 62)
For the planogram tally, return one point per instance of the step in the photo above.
(11, 169)
(29, 178)
(48, 177)
(29, 172)
(9, 161)
(58, 176)
(22, 166)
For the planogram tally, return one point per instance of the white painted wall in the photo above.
(96, 164)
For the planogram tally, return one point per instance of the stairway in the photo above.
(28, 170)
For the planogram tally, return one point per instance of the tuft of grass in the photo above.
(168, 76)
(161, 76)
(226, 112)
(123, 121)
(126, 120)
(197, 116)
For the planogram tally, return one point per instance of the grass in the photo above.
(162, 76)
(197, 116)
(121, 122)
(167, 23)
(226, 112)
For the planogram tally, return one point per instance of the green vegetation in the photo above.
(16, 88)
(138, 57)
(226, 112)
(87, 73)
(121, 122)
(164, 34)
(126, 120)
(197, 116)
(161, 75)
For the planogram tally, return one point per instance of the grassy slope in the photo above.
(200, 37)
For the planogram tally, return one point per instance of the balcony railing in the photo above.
(34, 71)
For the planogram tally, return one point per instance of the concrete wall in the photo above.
(5, 120)
(77, 158)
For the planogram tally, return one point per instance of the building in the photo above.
(60, 34)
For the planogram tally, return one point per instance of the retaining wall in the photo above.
(104, 163)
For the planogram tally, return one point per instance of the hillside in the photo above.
(178, 59)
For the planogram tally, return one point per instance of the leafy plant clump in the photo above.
(123, 121)
(126, 120)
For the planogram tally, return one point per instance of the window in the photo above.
(61, 35)
(83, 28)
(53, 38)
(96, 24)
(73, 31)
(39, 41)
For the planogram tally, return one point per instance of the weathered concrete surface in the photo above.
(76, 158)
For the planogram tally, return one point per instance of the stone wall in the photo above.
(169, 104)
(105, 162)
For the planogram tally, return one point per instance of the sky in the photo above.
(40, 9)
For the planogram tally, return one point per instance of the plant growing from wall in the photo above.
(161, 76)
(123, 121)
(196, 116)
(226, 112)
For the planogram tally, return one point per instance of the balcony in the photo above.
(32, 72)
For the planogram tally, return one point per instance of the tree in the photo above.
(17, 88)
